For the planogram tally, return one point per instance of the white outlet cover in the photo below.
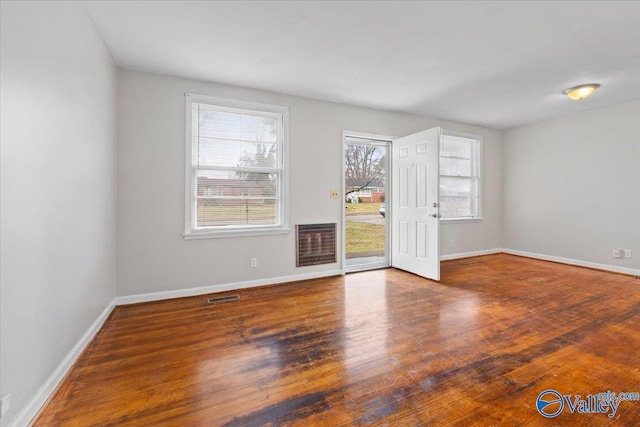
(627, 253)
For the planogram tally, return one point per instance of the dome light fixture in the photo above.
(578, 93)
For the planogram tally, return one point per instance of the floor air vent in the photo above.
(315, 244)
(223, 299)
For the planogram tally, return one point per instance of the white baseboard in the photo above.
(605, 267)
(471, 254)
(156, 296)
(28, 413)
(31, 410)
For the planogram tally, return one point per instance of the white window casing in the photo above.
(236, 168)
(460, 177)
(366, 192)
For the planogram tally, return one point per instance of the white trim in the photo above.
(382, 140)
(569, 261)
(371, 136)
(33, 407)
(40, 398)
(189, 180)
(236, 104)
(157, 296)
(343, 213)
(457, 134)
(366, 267)
(479, 176)
(605, 267)
(365, 192)
(461, 219)
(220, 234)
(471, 254)
(225, 104)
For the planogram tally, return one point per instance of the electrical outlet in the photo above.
(4, 404)
(618, 253)
(627, 253)
(334, 194)
(452, 243)
(254, 262)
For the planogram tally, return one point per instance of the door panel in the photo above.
(403, 234)
(422, 181)
(422, 242)
(415, 221)
(403, 196)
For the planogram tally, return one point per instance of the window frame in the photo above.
(365, 192)
(191, 231)
(478, 161)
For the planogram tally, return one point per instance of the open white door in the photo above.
(415, 227)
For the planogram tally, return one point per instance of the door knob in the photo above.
(434, 215)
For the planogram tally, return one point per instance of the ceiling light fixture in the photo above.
(581, 92)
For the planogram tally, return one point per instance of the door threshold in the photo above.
(366, 267)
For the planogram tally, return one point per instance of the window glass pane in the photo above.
(236, 198)
(450, 186)
(459, 181)
(235, 212)
(246, 127)
(220, 152)
(458, 207)
(455, 167)
(362, 193)
(237, 156)
(453, 146)
(364, 166)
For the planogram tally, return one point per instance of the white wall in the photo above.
(572, 186)
(58, 189)
(152, 254)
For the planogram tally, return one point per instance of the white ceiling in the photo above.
(497, 64)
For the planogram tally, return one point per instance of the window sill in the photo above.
(460, 220)
(220, 234)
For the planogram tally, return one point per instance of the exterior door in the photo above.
(366, 225)
(415, 245)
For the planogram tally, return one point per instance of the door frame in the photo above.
(387, 197)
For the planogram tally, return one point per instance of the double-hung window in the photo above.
(460, 178)
(236, 154)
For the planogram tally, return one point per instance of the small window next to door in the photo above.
(460, 178)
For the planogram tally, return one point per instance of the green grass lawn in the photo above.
(362, 209)
(363, 237)
(251, 214)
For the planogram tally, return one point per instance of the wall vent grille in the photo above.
(315, 244)
(225, 298)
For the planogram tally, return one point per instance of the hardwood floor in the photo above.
(376, 348)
